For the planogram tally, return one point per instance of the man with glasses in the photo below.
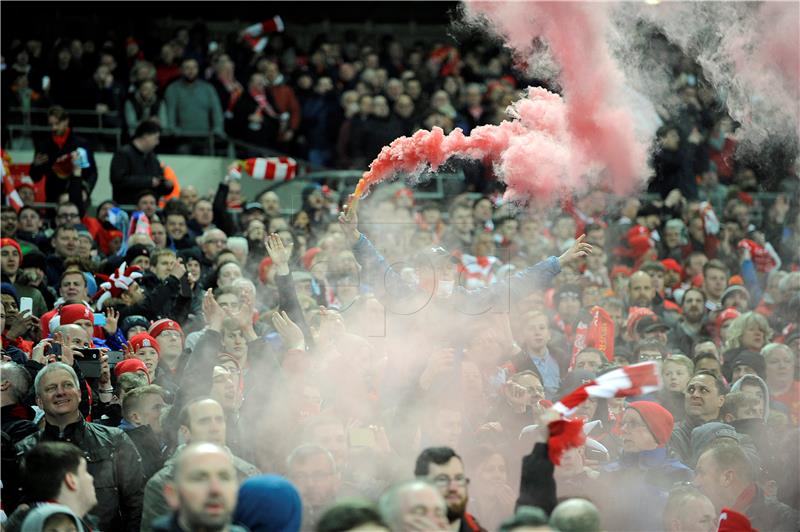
(444, 468)
(313, 470)
(644, 468)
(68, 213)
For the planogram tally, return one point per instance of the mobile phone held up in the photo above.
(25, 305)
(88, 360)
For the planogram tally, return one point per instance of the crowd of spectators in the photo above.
(407, 355)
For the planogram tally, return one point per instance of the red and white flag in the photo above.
(10, 191)
(256, 35)
(628, 381)
(270, 168)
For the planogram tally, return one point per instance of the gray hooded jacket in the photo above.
(756, 381)
(37, 517)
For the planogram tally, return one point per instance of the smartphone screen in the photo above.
(25, 305)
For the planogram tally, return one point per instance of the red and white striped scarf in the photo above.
(628, 381)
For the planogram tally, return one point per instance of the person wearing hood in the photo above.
(752, 384)
(747, 410)
(268, 503)
(48, 517)
(644, 468)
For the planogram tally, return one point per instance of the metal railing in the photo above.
(114, 133)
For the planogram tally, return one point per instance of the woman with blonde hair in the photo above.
(750, 330)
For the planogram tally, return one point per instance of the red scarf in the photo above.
(745, 498)
(263, 105)
(61, 140)
(235, 90)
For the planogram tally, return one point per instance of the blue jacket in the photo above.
(645, 477)
(389, 286)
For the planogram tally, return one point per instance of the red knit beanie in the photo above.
(74, 312)
(731, 521)
(657, 418)
(143, 339)
(13, 243)
(130, 365)
(162, 325)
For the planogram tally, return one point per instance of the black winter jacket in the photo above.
(132, 172)
(113, 461)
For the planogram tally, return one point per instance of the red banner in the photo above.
(599, 333)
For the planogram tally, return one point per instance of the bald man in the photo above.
(413, 505)
(203, 491)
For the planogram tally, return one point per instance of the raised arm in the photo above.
(379, 275)
(287, 295)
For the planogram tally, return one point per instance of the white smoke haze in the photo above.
(748, 51)
(371, 353)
